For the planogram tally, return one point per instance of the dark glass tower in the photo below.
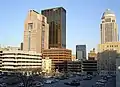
(57, 26)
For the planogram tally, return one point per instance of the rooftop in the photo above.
(108, 12)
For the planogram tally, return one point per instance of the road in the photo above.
(84, 83)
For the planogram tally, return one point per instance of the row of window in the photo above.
(112, 45)
(20, 54)
(21, 58)
(21, 62)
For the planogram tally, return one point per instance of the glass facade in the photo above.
(81, 52)
(56, 18)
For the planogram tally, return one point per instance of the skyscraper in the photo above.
(109, 28)
(57, 26)
(81, 52)
(36, 32)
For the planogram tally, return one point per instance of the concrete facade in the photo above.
(20, 61)
(107, 62)
(109, 46)
(109, 27)
(36, 32)
(59, 57)
(47, 65)
(92, 55)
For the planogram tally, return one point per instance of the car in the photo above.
(20, 85)
(3, 85)
(109, 76)
(87, 78)
(73, 83)
(99, 83)
(102, 81)
(49, 81)
(39, 84)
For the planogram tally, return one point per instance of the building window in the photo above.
(108, 20)
(113, 20)
(102, 21)
(30, 26)
(43, 19)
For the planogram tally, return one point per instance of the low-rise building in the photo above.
(9, 48)
(107, 54)
(20, 61)
(107, 62)
(74, 66)
(89, 66)
(109, 46)
(73, 57)
(47, 65)
(92, 55)
(59, 57)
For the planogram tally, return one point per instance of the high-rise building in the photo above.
(36, 32)
(57, 26)
(109, 27)
(21, 46)
(81, 52)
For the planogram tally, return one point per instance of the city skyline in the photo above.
(91, 18)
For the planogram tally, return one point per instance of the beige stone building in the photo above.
(92, 55)
(47, 65)
(109, 46)
(109, 27)
(36, 32)
(107, 54)
(73, 57)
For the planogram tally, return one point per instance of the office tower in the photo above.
(81, 52)
(36, 32)
(21, 46)
(57, 26)
(109, 28)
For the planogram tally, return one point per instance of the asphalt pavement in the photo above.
(84, 83)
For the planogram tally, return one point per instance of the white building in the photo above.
(46, 65)
(20, 61)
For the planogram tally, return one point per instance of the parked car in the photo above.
(3, 85)
(49, 81)
(73, 83)
(39, 84)
(20, 85)
(102, 81)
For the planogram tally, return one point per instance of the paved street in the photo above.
(84, 83)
